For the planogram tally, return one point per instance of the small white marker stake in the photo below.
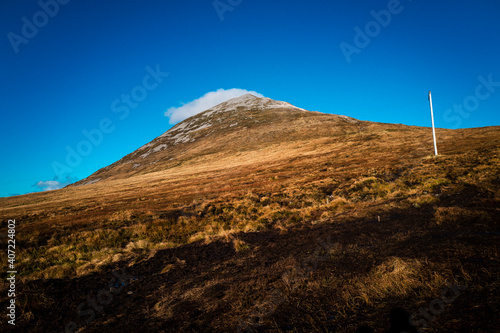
(433, 129)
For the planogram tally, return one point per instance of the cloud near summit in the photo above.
(210, 99)
(55, 184)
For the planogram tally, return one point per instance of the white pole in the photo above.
(433, 129)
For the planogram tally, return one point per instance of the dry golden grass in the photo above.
(395, 276)
(228, 208)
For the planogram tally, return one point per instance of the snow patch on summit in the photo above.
(248, 101)
(160, 147)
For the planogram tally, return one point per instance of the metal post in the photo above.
(433, 129)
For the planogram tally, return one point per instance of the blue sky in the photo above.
(68, 66)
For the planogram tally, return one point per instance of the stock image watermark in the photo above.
(11, 271)
(460, 111)
(87, 310)
(121, 107)
(223, 6)
(293, 277)
(31, 27)
(372, 29)
(425, 315)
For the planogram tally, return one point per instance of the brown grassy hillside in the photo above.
(293, 222)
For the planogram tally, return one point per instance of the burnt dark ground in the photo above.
(133, 308)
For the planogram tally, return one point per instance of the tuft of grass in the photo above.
(423, 200)
(121, 216)
(395, 276)
(240, 245)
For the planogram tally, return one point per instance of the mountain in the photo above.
(240, 124)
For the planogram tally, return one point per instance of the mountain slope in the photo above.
(243, 123)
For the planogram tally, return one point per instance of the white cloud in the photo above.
(205, 102)
(50, 185)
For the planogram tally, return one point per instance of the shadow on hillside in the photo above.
(198, 286)
(399, 320)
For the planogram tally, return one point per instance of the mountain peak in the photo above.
(249, 101)
(246, 97)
